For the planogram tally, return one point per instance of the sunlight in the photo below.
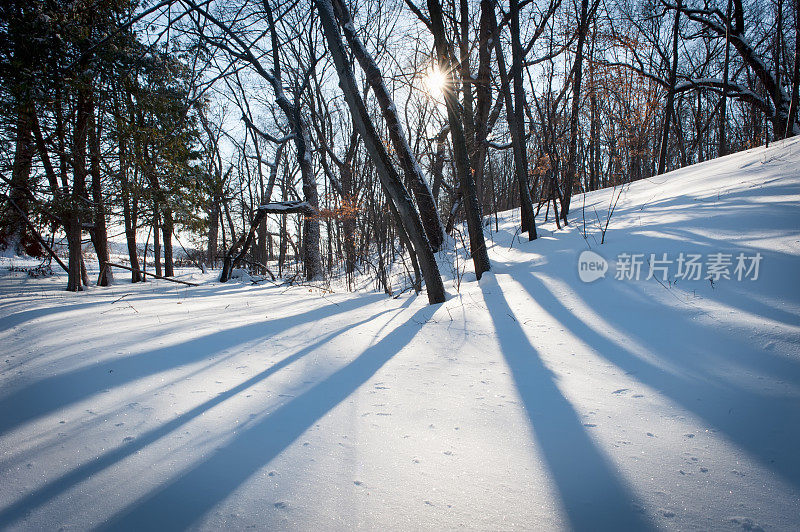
(435, 80)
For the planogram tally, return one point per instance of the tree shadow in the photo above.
(765, 425)
(50, 394)
(60, 485)
(593, 495)
(18, 318)
(185, 500)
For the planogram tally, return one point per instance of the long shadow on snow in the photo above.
(678, 238)
(58, 486)
(766, 426)
(47, 395)
(594, 496)
(184, 501)
(23, 316)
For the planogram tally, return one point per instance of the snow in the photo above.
(527, 400)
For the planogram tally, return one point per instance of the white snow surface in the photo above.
(528, 400)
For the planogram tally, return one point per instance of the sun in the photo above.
(435, 81)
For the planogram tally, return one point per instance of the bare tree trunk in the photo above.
(167, 228)
(73, 229)
(408, 162)
(483, 95)
(468, 116)
(795, 97)
(99, 234)
(213, 231)
(723, 105)
(669, 107)
(16, 232)
(515, 111)
(78, 198)
(389, 179)
(569, 181)
(438, 162)
(349, 218)
(129, 217)
(297, 122)
(480, 256)
(156, 241)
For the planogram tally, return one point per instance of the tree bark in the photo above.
(213, 230)
(299, 127)
(408, 162)
(483, 95)
(16, 232)
(480, 256)
(516, 121)
(99, 233)
(78, 199)
(669, 107)
(167, 227)
(795, 97)
(723, 105)
(157, 240)
(388, 176)
(571, 176)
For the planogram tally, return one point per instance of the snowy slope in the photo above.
(529, 400)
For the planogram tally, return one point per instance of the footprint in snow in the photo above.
(280, 505)
(746, 524)
(620, 391)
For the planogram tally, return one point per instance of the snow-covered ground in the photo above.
(529, 400)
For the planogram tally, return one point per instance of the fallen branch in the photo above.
(150, 274)
(288, 207)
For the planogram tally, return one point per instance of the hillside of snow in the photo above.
(663, 394)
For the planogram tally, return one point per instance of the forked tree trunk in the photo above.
(480, 255)
(408, 162)
(388, 176)
(516, 119)
(299, 127)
